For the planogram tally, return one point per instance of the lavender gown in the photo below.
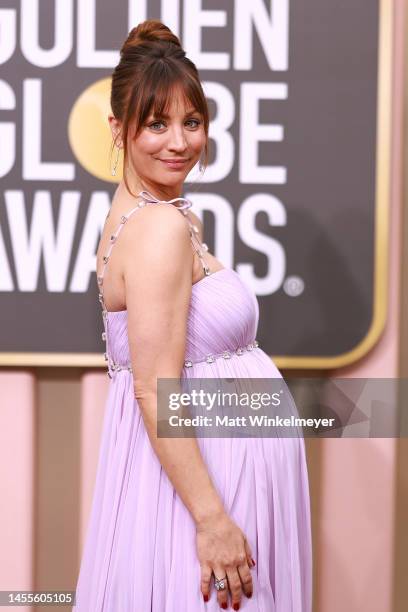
(140, 549)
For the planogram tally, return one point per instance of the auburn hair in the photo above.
(152, 66)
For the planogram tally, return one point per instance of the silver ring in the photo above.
(220, 583)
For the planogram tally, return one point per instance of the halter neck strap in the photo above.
(146, 195)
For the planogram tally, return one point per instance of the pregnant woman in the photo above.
(181, 524)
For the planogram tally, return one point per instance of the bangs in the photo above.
(166, 93)
(163, 83)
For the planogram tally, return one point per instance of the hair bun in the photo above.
(151, 30)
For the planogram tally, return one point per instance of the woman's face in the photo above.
(167, 148)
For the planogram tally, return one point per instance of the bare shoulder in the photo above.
(155, 232)
(155, 218)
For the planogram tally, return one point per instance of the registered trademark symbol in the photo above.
(293, 286)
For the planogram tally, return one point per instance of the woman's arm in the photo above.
(158, 276)
(157, 272)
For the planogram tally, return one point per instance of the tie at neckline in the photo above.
(151, 198)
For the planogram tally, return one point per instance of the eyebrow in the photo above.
(188, 113)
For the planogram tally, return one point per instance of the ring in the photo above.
(219, 583)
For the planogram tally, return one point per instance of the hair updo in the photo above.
(152, 65)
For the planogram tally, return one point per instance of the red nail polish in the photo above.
(224, 606)
(253, 562)
(236, 606)
(205, 597)
(249, 595)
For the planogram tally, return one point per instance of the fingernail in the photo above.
(205, 597)
(249, 594)
(253, 562)
(224, 606)
(236, 606)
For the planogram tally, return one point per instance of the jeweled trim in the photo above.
(189, 363)
(224, 354)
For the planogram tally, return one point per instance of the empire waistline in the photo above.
(188, 363)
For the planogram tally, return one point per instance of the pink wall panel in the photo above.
(17, 459)
(357, 521)
(93, 396)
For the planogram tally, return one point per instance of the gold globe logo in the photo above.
(89, 134)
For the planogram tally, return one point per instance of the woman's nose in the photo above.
(177, 139)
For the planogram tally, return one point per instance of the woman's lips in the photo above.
(174, 164)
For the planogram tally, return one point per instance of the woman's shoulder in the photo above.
(148, 219)
(156, 223)
(160, 234)
(167, 217)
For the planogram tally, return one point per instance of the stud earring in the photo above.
(115, 165)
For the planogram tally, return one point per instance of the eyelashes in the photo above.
(154, 123)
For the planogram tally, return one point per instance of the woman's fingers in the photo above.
(225, 553)
(205, 581)
(235, 586)
(246, 579)
(248, 553)
(222, 596)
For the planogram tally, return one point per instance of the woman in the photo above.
(180, 524)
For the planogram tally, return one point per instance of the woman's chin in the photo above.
(172, 178)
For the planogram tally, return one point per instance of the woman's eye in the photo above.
(156, 123)
(196, 121)
(193, 123)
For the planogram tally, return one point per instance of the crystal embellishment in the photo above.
(123, 219)
(118, 367)
(106, 258)
(224, 354)
(189, 362)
